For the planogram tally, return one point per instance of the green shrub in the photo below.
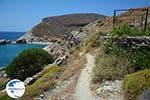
(109, 67)
(28, 63)
(126, 30)
(113, 49)
(134, 84)
(139, 57)
(45, 82)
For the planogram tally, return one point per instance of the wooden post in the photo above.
(114, 20)
(145, 26)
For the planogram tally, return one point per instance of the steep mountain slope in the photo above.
(55, 27)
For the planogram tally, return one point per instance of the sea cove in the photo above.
(9, 51)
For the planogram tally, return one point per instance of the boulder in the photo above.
(110, 90)
(109, 86)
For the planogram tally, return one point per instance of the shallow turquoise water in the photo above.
(9, 51)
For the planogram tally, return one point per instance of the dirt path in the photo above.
(82, 91)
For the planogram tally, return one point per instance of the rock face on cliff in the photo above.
(3, 41)
(29, 37)
(76, 36)
(55, 27)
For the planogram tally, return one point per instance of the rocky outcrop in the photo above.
(110, 90)
(55, 49)
(3, 41)
(21, 41)
(75, 37)
(59, 52)
(28, 37)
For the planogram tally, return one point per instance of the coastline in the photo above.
(44, 43)
(14, 42)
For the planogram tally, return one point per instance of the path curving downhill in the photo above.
(83, 91)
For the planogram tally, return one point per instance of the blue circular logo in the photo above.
(15, 88)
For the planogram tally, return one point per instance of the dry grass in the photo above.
(45, 82)
(91, 41)
(66, 94)
(3, 82)
(74, 64)
(109, 67)
(71, 70)
(3, 95)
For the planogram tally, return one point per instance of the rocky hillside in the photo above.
(129, 17)
(55, 27)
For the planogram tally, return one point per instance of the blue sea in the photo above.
(10, 35)
(9, 51)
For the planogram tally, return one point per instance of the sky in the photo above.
(22, 15)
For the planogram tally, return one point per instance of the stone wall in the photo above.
(129, 41)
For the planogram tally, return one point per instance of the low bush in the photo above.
(126, 30)
(139, 57)
(28, 63)
(109, 67)
(134, 84)
(45, 82)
